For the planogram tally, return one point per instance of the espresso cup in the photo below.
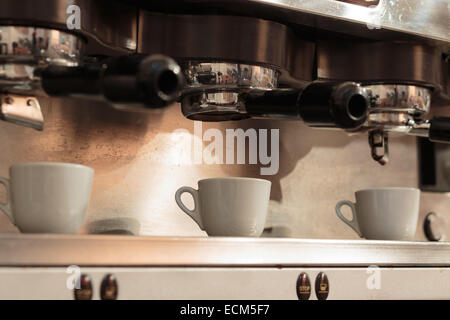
(229, 206)
(47, 197)
(383, 213)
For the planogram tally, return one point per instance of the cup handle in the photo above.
(6, 207)
(194, 214)
(352, 223)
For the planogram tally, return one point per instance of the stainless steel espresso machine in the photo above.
(263, 60)
(373, 67)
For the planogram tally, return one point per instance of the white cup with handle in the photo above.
(229, 206)
(383, 213)
(47, 197)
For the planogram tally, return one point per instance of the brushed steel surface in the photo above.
(226, 38)
(427, 18)
(104, 250)
(423, 18)
(141, 159)
(110, 26)
(380, 62)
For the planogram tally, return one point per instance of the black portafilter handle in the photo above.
(320, 104)
(276, 103)
(439, 129)
(329, 104)
(65, 81)
(153, 81)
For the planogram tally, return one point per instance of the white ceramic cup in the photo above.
(47, 197)
(383, 213)
(229, 206)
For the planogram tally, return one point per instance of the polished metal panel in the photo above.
(209, 77)
(381, 62)
(413, 100)
(426, 19)
(226, 38)
(64, 250)
(141, 159)
(395, 108)
(366, 3)
(109, 26)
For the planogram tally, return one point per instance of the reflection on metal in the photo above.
(419, 128)
(228, 76)
(378, 141)
(220, 38)
(400, 98)
(372, 63)
(133, 155)
(23, 49)
(109, 26)
(422, 18)
(21, 110)
(365, 3)
(63, 250)
(140, 150)
(394, 106)
(213, 89)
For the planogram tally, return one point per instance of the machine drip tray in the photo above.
(28, 250)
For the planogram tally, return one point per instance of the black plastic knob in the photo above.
(434, 227)
(109, 289)
(85, 289)
(303, 286)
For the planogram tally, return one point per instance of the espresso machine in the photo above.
(364, 67)
(296, 63)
